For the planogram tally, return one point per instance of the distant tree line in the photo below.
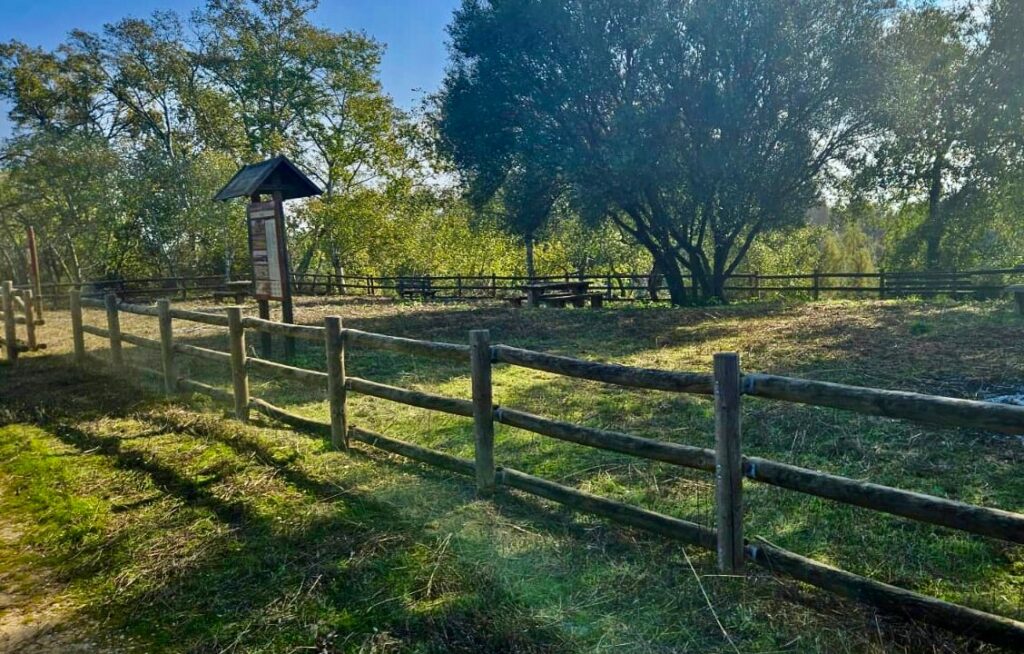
(689, 139)
(701, 128)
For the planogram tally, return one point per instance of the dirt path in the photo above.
(35, 612)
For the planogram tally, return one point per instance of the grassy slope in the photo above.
(188, 531)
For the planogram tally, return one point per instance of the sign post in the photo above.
(281, 180)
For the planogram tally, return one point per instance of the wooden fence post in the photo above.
(266, 339)
(114, 327)
(239, 375)
(483, 409)
(757, 284)
(10, 326)
(815, 284)
(458, 286)
(30, 319)
(728, 472)
(494, 285)
(336, 381)
(77, 335)
(881, 284)
(167, 346)
(33, 264)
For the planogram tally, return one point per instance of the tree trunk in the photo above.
(673, 279)
(652, 282)
(531, 270)
(934, 227)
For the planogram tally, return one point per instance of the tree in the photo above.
(313, 94)
(951, 120)
(694, 126)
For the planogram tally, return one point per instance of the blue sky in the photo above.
(412, 30)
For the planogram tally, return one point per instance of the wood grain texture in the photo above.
(932, 409)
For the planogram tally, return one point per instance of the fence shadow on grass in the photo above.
(253, 577)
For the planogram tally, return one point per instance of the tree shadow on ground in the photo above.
(253, 577)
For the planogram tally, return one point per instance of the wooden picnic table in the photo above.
(558, 293)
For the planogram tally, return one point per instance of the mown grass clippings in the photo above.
(197, 533)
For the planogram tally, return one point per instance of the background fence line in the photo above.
(726, 383)
(613, 287)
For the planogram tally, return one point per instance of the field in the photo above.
(129, 522)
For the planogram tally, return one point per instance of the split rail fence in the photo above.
(620, 287)
(614, 287)
(31, 316)
(726, 384)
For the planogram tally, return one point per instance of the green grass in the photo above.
(170, 527)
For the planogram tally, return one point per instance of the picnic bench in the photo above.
(410, 287)
(558, 294)
(237, 291)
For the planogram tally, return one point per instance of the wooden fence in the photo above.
(632, 287)
(617, 287)
(11, 303)
(726, 384)
(148, 288)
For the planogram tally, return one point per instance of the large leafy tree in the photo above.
(313, 94)
(951, 121)
(177, 110)
(693, 126)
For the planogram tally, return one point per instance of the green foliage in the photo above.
(578, 133)
(656, 118)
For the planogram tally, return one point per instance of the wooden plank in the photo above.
(645, 448)
(96, 331)
(408, 450)
(483, 410)
(450, 351)
(140, 309)
(994, 523)
(205, 389)
(200, 317)
(334, 346)
(301, 423)
(239, 374)
(315, 334)
(412, 398)
(77, 335)
(611, 373)
(728, 468)
(141, 341)
(675, 528)
(284, 370)
(92, 302)
(203, 353)
(114, 329)
(932, 409)
(964, 621)
(424, 455)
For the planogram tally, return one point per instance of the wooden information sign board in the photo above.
(266, 246)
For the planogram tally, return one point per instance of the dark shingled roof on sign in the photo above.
(277, 174)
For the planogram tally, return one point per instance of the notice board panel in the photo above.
(265, 248)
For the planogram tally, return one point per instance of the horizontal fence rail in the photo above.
(930, 409)
(633, 286)
(727, 385)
